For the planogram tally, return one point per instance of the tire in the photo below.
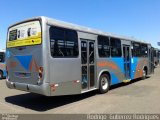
(104, 83)
(1, 74)
(144, 74)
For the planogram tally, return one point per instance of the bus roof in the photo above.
(60, 23)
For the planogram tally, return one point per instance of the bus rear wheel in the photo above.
(104, 83)
(144, 74)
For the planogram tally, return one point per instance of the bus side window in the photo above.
(64, 42)
(103, 46)
(115, 47)
(71, 43)
(144, 50)
(91, 53)
(136, 51)
(139, 50)
(84, 52)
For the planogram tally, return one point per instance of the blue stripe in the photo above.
(24, 61)
(134, 63)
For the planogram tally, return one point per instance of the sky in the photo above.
(133, 18)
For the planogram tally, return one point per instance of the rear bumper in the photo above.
(43, 89)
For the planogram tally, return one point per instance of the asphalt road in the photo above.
(139, 96)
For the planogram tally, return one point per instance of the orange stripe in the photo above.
(30, 66)
(136, 75)
(33, 62)
(107, 64)
(36, 66)
(141, 73)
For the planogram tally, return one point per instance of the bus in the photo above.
(52, 58)
(159, 55)
(156, 57)
(2, 64)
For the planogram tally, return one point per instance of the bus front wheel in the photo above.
(104, 83)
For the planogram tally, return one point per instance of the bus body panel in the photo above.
(66, 88)
(137, 66)
(65, 72)
(43, 89)
(156, 57)
(4, 73)
(114, 66)
(25, 57)
(23, 65)
(63, 76)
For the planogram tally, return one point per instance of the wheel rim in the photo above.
(104, 83)
(144, 73)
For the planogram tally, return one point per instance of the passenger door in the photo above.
(87, 64)
(127, 56)
(151, 60)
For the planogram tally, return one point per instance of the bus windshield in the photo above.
(24, 34)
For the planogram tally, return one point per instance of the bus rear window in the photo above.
(24, 34)
(13, 35)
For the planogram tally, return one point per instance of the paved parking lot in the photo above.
(140, 96)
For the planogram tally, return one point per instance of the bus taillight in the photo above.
(6, 70)
(40, 73)
(53, 86)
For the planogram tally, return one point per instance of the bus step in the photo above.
(126, 81)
